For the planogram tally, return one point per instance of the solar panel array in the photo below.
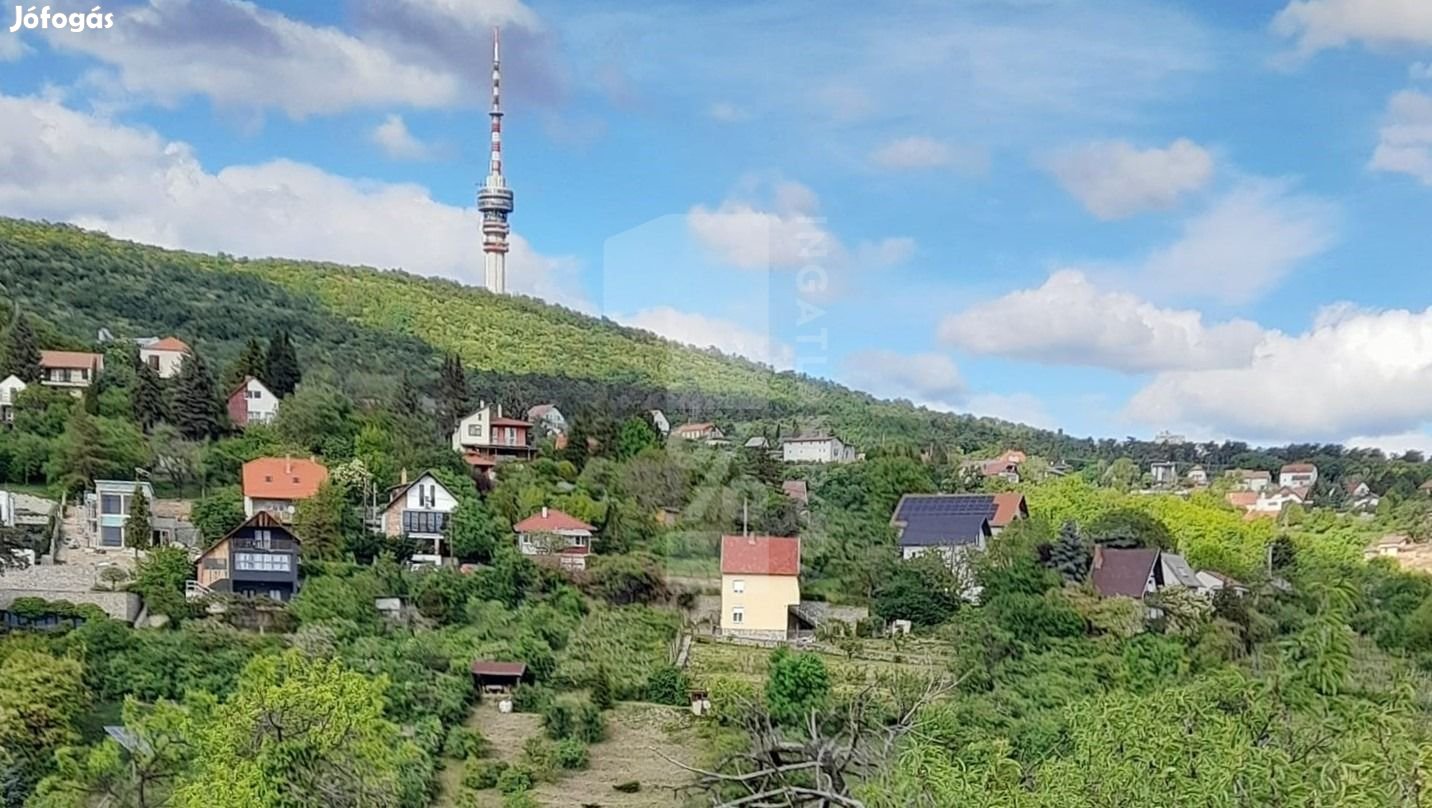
(944, 518)
(946, 505)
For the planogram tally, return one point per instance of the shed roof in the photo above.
(486, 667)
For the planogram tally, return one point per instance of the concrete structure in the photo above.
(164, 356)
(494, 198)
(276, 484)
(10, 388)
(70, 370)
(555, 535)
(486, 437)
(816, 450)
(760, 583)
(1389, 546)
(1298, 475)
(662, 425)
(256, 559)
(108, 511)
(252, 403)
(420, 510)
(1164, 473)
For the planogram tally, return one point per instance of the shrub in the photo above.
(540, 755)
(798, 684)
(571, 753)
(602, 689)
(558, 719)
(515, 779)
(629, 787)
(463, 743)
(667, 685)
(572, 719)
(532, 698)
(480, 774)
(520, 799)
(591, 724)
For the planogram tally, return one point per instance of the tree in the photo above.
(1122, 474)
(138, 529)
(198, 413)
(319, 418)
(473, 531)
(636, 436)
(452, 393)
(41, 704)
(1127, 527)
(148, 398)
(797, 685)
(22, 350)
(175, 459)
(252, 362)
(601, 690)
(79, 457)
(922, 590)
(627, 579)
(318, 521)
(1069, 555)
(282, 366)
(218, 512)
(159, 578)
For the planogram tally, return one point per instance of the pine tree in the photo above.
(408, 402)
(196, 403)
(602, 697)
(22, 350)
(148, 400)
(139, 528)
(281, 364)
(1069, 555)
(252, 362)
(452, 392)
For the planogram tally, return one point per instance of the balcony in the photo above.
(424, 523)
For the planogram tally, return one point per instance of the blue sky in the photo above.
(1114, 218)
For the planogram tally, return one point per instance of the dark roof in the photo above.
(484, 667)
(923, 530)
(1123, 572)
(1183, 574)
(954, 518)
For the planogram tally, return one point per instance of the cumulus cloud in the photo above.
(393, 137)
(921, 153)
(1404, 143)
(63, 165)
(704, 331)
(727, 112)
(928, 379)
(1070, 321)
(1114, 179)
(1322, 24)
(1354, 372)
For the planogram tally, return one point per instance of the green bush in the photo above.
(532, 698)
(480, 774)
(515, 779)
(574, 719)
(571, 753)
(540, 756)
(463, 743)
(667, 685)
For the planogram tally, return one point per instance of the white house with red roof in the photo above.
(164, 356)
(552, 534)
(760, 583)
(487, 438)
(74, 370)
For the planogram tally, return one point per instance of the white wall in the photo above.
(830, 450)
(444, 501)
(474, 430)
(169, 361)
(261, 404)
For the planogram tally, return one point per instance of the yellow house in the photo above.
(760, 582)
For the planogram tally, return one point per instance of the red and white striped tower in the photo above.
(494, 199)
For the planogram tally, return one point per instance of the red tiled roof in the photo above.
(1296, 468)
(69, 359)
(283, 478)
(796, 489)
(1008, 507)
(483, 667)
(549, 520)
(1242, 499)
(760, 555)
(1123, 572)
(509, 422)
(168, 344)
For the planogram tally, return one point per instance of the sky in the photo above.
(1114, 218)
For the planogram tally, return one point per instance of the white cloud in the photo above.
(1114, 179)
(1394, 444)
(726, 112)
(1354, 372)
(920, 153)
(1070, 321)
(928, 379)
(1404, 143)
(393, 137)
(704, 331)
(1244, 244)
(59, 164)
(12, 47)
(1321, 24)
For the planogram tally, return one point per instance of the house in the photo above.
(956, 526)
(703, 431)
(164, 356)
(816, 450)
(1273, 502)
(1215, 581)
(486, 437)
(1196, 476)
(548, 419)
(1389, 546)
(1164, 473)
(10, 389)
(758, 442)
(251, 402)
(1298, 475)
(796, 490)
(658, 418)
(259, 558)
(276, 484)
(108, 510)
(1129, 573)
(1006, 466)
(1242, 500)
(420, 510)
(1247, 480)
(760, 583)
(1360, 496)
(1175, 571)
(554, 534)
(71, 370)
(998, 509)
(1425, 487)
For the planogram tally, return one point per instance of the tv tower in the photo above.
(494, 198)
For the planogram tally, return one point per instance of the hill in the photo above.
(370, 325)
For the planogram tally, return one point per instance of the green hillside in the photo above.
(368, 326)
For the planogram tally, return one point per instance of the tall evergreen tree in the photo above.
(197, 409)
(22, 350)
(252, 362)
(79, 456)
(282, 367)
(1069, 555)
(452, 392)
(139, 528)
(147, 398)
(408, 401)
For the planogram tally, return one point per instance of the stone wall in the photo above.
(119, 605)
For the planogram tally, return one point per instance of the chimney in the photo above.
(499, 410)
(288, 464)
(1098, 556)
(544, 511)
(403, 476)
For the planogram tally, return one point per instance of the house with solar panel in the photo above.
(954, 525)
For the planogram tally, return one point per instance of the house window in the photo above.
(511, 436)
(268, 478)
(738, 585)
(262, 562)
(263, 539)
(153, 361)
(111, 504)
(473, 431)
(111, 536)
(738, 616)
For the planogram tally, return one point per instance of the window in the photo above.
(263, 539)
(111, 536)
(268, 478)
(738, 616)
(473, 431)
(262, 562)
(153, 361)
(511, 436)
(424, 521)
(111, 504)
(738, 585)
